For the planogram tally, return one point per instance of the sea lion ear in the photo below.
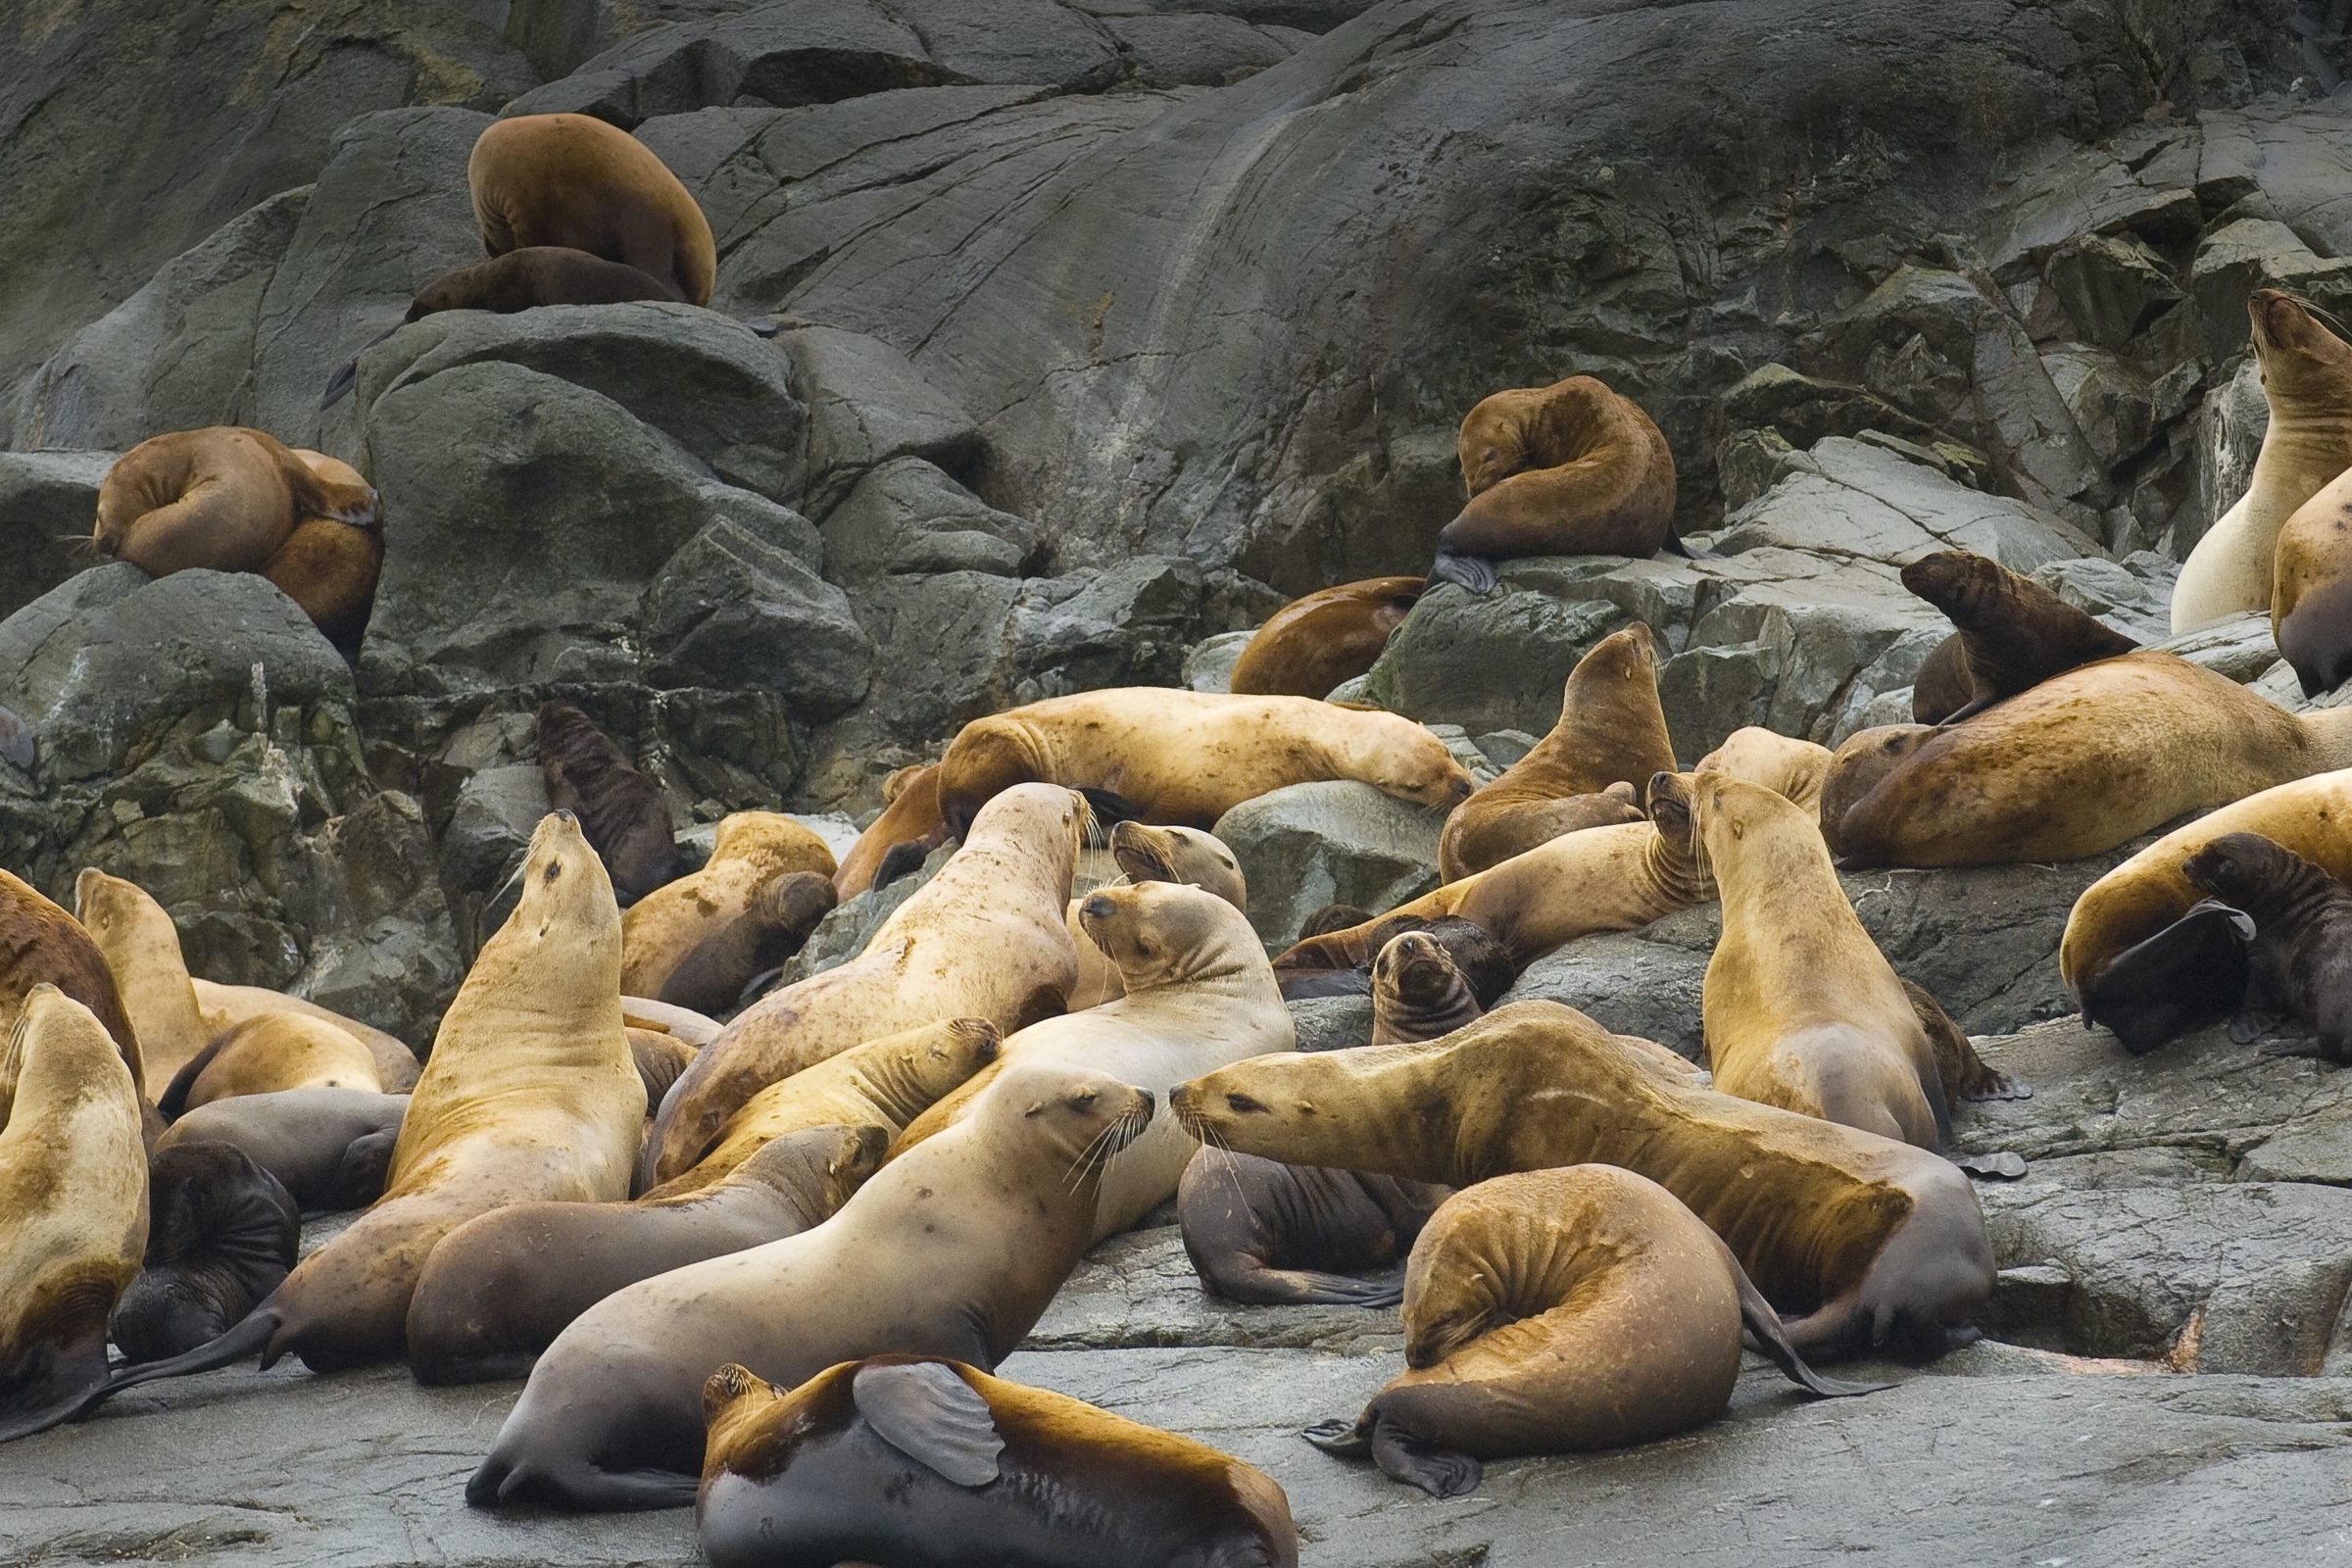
(928, 1413)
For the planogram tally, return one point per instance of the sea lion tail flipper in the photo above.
(1440, 1472)
(2191, 972)
(252, 1335)
(931, 1415)
(2251, 1024)
(1259, 1286)
(1772, 1338)
(1473, 573)
(345, 378)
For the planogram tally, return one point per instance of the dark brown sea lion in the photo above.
(1313, 643)
(1314, 968)
(576, 182)
(1267, 1234)
(2013, 634)
(923, 1462)
(330, 1148)
(2299, 962)
(221, 1233)
(41, 944)
(625, 818)
(1419, 991)
(697, 940)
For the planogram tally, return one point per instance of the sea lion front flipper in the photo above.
(928, 1413)
(2249, 1025)
(1311, 1286)
(2191, 972)
(1772, 1338)
(64, 1382)
(1473, 573)
(897, 860)
(1440, 1472)
(2007, 1165)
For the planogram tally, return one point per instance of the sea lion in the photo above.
(41, 944)
(909, 1459)
(74, 1186)
(225, 497)
(142, 952)
(575, 181)
(1334, 917)
(660, 1060)
(1612, 732)
(1189, 758)
(221, 1233)
(710, 931)
(1861, 762)
(954, 1250)
(1418, 991)
(1792, 770)
(1553, 1312)
(331, 1149)
(223, 1007)
(984, 939)
(502, 1286)
(1485, 966)
(1199, 994)
(662, 1018)
(1147, 853)
(1856, 1239)
(263, 1056)
(529, 1093)
(2013, 635)
(910, 817)
(329, 566)
(1266, 1234)
(1314, 643)
(2311, 589)
(2299, 962)
(1566, 469)
(2307, 381)
(2082, 762)
(619, 808)
(883, 1085)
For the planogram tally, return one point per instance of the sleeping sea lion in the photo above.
(221, 1233)
(225, 497)
(262, 1055)
(575, 181)
(695, 941)
(1314, 643)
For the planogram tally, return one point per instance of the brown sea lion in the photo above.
(225, 497)
(329, 1147)
(984, 939)
(1418, 991)
(1266, 1234)
(954, 1250)
(1312, 644)
(502, 1286)
(896, 1458)
(2080, 764)
(2013, 635)
(1147, 853)
(2299, 962)
(74, 1188)
(41, 944)
(1566, 469)
(1555, 1311)
(659, 1058)
(910, 817)
(329, 566)
(730, 920)
(1856, 1239)
(2307, 381)
(1189, 758)
(619, 808)
(223, 1007)
(1792, 770)
(744, 955)
(575, 181)
(2311, 589)
(221, 1233)
(263, 1056)
(1334, 917)
(1305, 971)
(1612, 732)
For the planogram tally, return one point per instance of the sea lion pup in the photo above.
(903, 1460)
(983, 939)
(263, 1056)
(225, 497)
(1792, 770)
(141, 946)
(1187, 758)
(909, 822)
(2299, 962)
(728, 921)
(1199, 994)
(1610, 732)
(1553, 1312)
(222, 1232)
(329, 566)
(954, 1250)
(1315, 641)
(1303, 971)
(1566, 469)
(1266, 1234)
(2311, 591)
(883, 1085)
(575, 181)
(619, 808)
(2307, 381)
(329, 1147)
(529, 1093)
(1147, 853)
(502, 1284)
(223, 1007)
(2013, 634)
(2080, 764)
(40, 944)
(74, 1186)
(1418, 991)
(1856, 1239)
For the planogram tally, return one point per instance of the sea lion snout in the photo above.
(1097, 908)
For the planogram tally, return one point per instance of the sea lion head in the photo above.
(734, 1397)
(1332, 1108)
(1492, 443)
(1858, 767)
(1147, 854)
(1671, 813)
(2300, 358)
(1627, 653)
(1418, 973)
(1958, 583)
(1166, 932)
(564, 882)
(820, 1166)
(1736, 819)
(2251, 872)
(1074, 1113)
(114, 911)
(1399, 758)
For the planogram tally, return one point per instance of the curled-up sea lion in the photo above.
(1314, 643)
(329, 1147)
(901, 1459)
(2013, 635)
(40, 944)
(1147, 853)
(2299, 962)
(1266, 1234)
(262, 1055)
(1553, 1312)
(225, 497)
(221, 1233)
(622, 813)
(328, 566)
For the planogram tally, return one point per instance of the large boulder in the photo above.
(1337, 842)
(906, 516)
(48, 506)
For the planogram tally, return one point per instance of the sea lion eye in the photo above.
(555, 868)
(1083, 1098)
(1244, 1104)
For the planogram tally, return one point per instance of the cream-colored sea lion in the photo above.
(909, 829)
(141, 946)
(40, 944)
(530, 1092)
(2080, 764)
(1552, 1312)
(621, 809)
(1199, 994)
(1612, 732)
(2307, 381)
(1189, 758)
(329, 566)
(954, 1250)
(330, 1148)
(983, 939)
(263, 1056)
(502, 1286)
(223, 1007)
(734, 918)
(883, 1085)
(2311, 589)
(1566, 469)
(2013, 635)
(897, 1458)
(74, 1188)
(1418, 991)
(1856, 1239)
(1147, 853)
(575, 181)
(221, 1233)
(1792, 770)
(1314, 643)
(225, 497)
(694, 1028)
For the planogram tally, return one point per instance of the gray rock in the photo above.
(48, 506)
(498, 808)
(868, 404)
(2136, 603)
(1337, 842)
(2112, 285)
(1332, 1023)
(2231, 262)
(1208, 663)
(906, 516)
(1140, 1291)
(2240, 646)
(730, 610)
(1194, 50)
(1645, 983)
(2229, 426)
(1377, 515)
(2112, 403)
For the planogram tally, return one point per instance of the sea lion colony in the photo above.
(761, 1245)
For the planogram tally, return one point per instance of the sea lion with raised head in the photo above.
(1792, 770)
(575, 181)
(699, 940)
(329, 1147)
(1856, 1240)
(905, 1459)
(2299, 958)
(1484, 967)
(1556, 1311)
(263, 1056)
(142, 952)
(2013, 635)
(1147, 853)
(909, 829)
(221, 1233)
(1316, 642)
(1590, 771)
(1418, 991)
(619, 808)
(40, 944)
(954, 1250)
(225, 497)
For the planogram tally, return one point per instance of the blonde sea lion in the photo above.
(983, 939)
(226, 497)
(894, 1458)
(1566, 469)
(909, 817)
(1314, 643)
(40, 944)
(2013, 635)
(2307, 381)
(575, 181)
(263, 1056)
(1612, 732)
(694, 1028)
(1555, 1311)
(954, 1250)
(1792, 770)
(2311, 589)
(328, 567)
(1147, 853)
(223, 1007)
(221, 1233)
(74, 1186)
(1856, 1240)
(1189, 758)
(621, 809)
(691, 924)
(1199, 993)
(142, 952)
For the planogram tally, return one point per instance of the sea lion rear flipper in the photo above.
(1969, 710)
(2191, 972)
(897, 860)
(1440, 1472)
(252, 1335)
(928, 1413)
(1963, 1073)
(1473, 573)
(1772, 1338)
(173, 1103)
(58, 1392)
(2250, 1025)
(1346, 1438)
(1260, 1286)
(343, 379)
(2005, 1165)
(578, 1486)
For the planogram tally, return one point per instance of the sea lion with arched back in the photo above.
(1147, 853)
(225, 1006)
(1316, 642)
(575, 181)
(2013, 635)
(620, 810)
(730, 920)
(225, 497)
(221, 1233)
(40, 944)
(329, 1147)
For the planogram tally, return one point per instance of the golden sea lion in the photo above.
(1147, 853)
(141, 946)
(226, 1007)
(329, 566)
(909, 829)
(2311, 589)
(1792, 770)
(2013, 635)
(263, 1056)
(225, 497)
(1314, 643)
(575, 181)
(691, 924)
